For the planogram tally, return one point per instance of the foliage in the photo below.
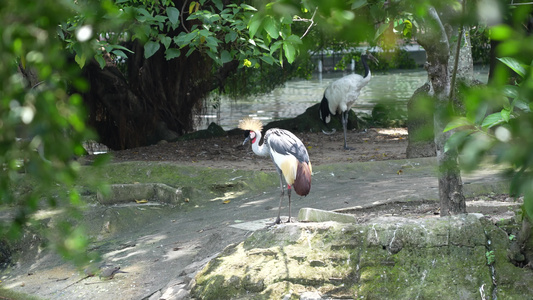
(42, 122)
(499, 121)
(394, 59)
(490, 256)
(265, 78)
(480, 45)
(236, 31)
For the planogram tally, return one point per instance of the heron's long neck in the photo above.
(259, 149)
(365, 65)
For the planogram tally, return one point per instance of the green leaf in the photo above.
(165, 40)
(119, 53)
(268, 59)
(184, 39)
(100, 59)
(161, 19)
(506, 115)
(192, 7)
(294, 39)
(143, 15)
(521, 104)
(150, 48)
(381, 29)
(407, 29)
(359, 3)
(191, 50)
(230, 36)
(275, 47)
(492, 120)
(514, 64)
(271, 27)
(500, 32)
(456, 140)
(254, 24)
(121, 48)
(225, 57)
(248, 7)
(290, 52)
(173, 16)
(171, 53)
(214, 57)
(456, 123)
(212, 43)
(219, 5)
(80, 60)
(510, 91)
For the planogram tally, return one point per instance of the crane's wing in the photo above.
(286, 143)
(343, 92)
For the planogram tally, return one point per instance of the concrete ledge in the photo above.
(318, 215)
(122, 193)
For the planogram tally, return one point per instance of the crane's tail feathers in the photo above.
(302, 182)
(323, 111)
(329, 132)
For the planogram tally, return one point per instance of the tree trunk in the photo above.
(420, 111)
(157, 100)
(435, 42)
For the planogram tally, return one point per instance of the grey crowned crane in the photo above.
(342, 93)
(288, 154)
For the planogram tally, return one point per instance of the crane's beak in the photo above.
(246, 140)
(375, 60)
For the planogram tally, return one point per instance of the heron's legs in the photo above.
(278, 219)
(344, 119)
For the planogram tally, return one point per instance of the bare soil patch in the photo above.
(228, 152)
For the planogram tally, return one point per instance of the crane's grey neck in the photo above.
(259, 149)
(365, 65)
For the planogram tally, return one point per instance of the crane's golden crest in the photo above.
(250, 124)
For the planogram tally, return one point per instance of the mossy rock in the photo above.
(309, 121)
(213, 130)
(386, 258)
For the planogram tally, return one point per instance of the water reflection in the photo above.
(296, 96)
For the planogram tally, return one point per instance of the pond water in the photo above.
(296, 96)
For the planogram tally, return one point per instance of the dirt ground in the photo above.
(368, 145)
(228, 152)
(194, 230)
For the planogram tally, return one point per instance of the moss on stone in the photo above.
(439, 258)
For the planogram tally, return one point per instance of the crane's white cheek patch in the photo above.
(328, 118)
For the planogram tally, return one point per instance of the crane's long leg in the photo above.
(344, 118)
(289, 194)
(278, 219)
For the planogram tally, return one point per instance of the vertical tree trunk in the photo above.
(435, 42)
